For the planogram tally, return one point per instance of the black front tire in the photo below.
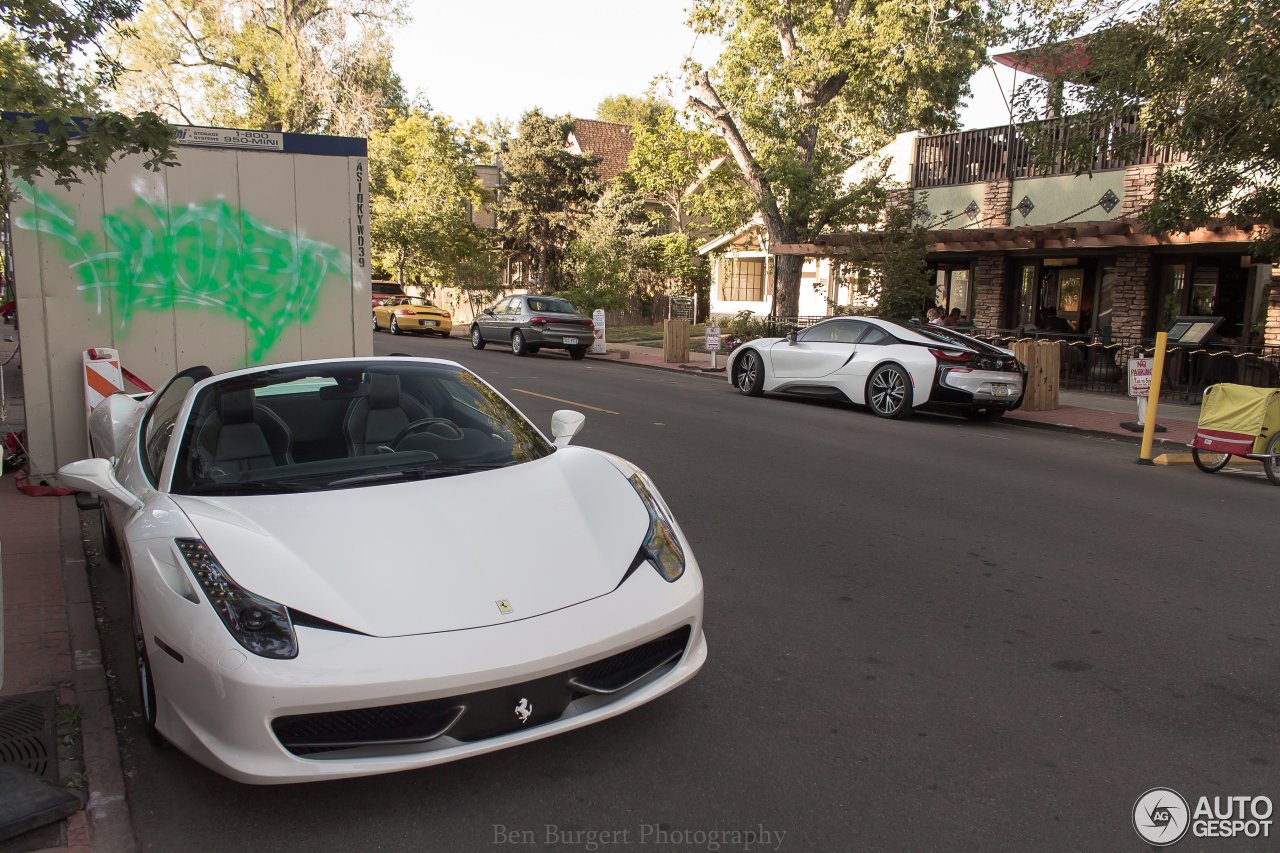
(518, 346)
(375, 323)
(110, 545)
(1210, 463)
(889, 392)
(395, 326)
(750, 374)
(477, 340)
(577, 353)
(146, 683)
(1271, 464)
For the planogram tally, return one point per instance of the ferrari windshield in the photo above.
(342, 424)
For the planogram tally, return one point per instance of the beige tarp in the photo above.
(1242, 409)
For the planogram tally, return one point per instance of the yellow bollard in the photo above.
(1153, 399)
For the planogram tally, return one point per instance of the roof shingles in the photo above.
(608, 140)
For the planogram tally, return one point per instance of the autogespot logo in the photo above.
(1160, 816)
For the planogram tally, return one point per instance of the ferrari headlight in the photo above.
(661, 546)
(261, 626)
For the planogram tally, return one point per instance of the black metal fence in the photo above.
(1098, 363)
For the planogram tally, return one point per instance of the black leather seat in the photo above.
(242, 436)
(376, 420)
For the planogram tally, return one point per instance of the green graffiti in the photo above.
(206, 256)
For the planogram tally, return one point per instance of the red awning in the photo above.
(1067, 60)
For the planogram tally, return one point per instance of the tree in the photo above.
(805, 89)
(280, 65)
(61, 128)
(611, 252)
(1199, 76)
(547, 191)
(422, 185)
(628, 109)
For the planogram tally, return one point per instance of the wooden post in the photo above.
(1043, 360)
(675, 341)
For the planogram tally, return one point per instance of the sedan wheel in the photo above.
(477, 339)
(395, 327)
(751, 374)
(887, 392)
(517, 344)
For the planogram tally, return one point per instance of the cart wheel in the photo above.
(1210, 463)
(1271, 464)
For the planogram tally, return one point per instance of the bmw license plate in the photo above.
(429, 322)
(999, 389)
(570, 341)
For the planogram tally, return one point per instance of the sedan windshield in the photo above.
(344, 424)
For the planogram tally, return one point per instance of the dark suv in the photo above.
(529, 323)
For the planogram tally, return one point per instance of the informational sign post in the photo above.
(713, 343)
(597, 320)
(1140, 373)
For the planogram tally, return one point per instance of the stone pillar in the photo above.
(1272, 330)
(988, 289)
(1130, 298)
(997, 202)
(1139, 189)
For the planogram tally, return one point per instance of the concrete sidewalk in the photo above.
(50, 641)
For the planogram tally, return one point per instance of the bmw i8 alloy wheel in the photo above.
(751, 374)
(887, 391)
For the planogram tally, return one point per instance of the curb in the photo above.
(677, 369)
(107, 810)
(1159, 443)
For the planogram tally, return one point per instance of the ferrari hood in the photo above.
(434, 555)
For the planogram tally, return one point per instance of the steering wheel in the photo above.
(423, 424)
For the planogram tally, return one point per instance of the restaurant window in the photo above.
(953, 290)
(1204, 290)
(1106, 304)
(1173, 288)
(742, 279)
(1027, 296)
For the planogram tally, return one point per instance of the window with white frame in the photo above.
(742, 279)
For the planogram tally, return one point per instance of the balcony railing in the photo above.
(995, 154)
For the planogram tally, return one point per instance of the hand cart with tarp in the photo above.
(1238, 420)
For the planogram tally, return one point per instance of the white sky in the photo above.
(502, 57)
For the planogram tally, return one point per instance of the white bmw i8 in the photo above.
(891, 368)
(355, 566)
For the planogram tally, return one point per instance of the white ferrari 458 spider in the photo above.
(356, 566)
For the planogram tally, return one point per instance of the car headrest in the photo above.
(236, 407)
(384, 391)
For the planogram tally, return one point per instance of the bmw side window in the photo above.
(875, 336)
(850, 331)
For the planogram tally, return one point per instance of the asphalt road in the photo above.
(927, 634)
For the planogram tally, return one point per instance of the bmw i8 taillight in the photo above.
(949, 357)
(260, 625)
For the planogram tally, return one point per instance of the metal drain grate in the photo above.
(26, 733)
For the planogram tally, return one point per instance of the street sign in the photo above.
(1140, 376)
(713, 338)
(597, 320)
(682, 307)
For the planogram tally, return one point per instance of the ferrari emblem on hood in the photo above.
(504, 606)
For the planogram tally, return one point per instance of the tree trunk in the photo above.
(788, 269)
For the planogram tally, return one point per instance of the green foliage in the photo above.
(745, 325)
(1199, 76)
(281, 65)
(901, 284)
(423, 187)
(804, 91)
(609, 253)
(44, 75)
(628, 109)
(547, 191)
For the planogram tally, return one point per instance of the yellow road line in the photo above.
(569, 402)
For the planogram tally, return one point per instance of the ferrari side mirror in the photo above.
(96, 477)
(565, 424)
